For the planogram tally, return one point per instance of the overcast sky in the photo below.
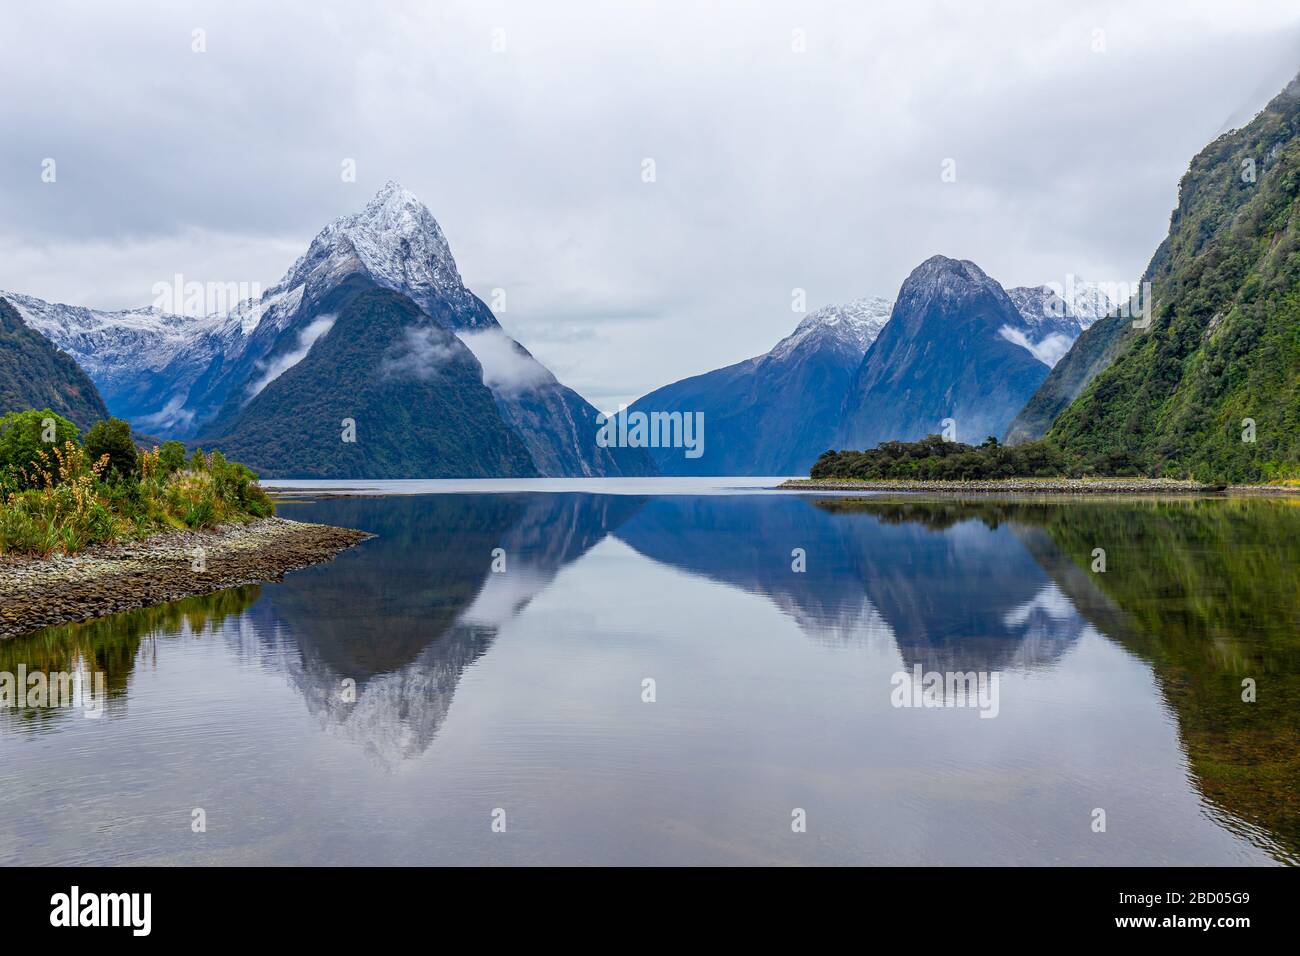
(1069, 123)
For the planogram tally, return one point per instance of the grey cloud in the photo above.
(420, 354)
(775, 170)
(282, 363)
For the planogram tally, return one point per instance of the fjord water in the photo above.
(517, 696)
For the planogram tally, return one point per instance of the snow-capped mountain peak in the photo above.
(145, 361)
(1088, 302)
(1038, 304)
(395, 239)
(853, 325)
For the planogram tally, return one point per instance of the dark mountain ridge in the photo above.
(34, 374)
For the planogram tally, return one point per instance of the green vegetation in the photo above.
(1207, 591)
(372, 369)
(112, 645)
(111, 439)
(58, 494)
(934, 459)
(24, 436)
(35, 374)
(1212, 389)
(1210, 590)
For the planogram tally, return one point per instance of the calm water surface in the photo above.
(774, 689)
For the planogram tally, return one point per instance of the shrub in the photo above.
(936, 459)
(113, 438)
(20, 531)
(259, 503)
(66, 496)
(171, 457)
(200, 514)
(23, 435)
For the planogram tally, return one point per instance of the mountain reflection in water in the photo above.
(1198, 594)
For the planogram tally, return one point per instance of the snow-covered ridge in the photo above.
(105, 341)
(395, 239)
(854, 324)
(1052, 324)
(1086, 304)
(1089, 303)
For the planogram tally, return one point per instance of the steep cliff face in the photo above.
(943, 354)
(1211, 387)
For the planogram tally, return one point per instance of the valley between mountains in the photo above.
(370, 358)
(374, 324)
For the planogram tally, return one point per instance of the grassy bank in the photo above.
(60, 493)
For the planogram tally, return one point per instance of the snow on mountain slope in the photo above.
(854, 325)
(112, 342)
(1084, 304)
(775, 413)
(399, 244)
(1050, 323)
(141, 360)
(1089, 303)
(192, 377)
(145, 360)
(395, 243)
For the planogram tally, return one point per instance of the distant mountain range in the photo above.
(374, 327)
(372, 336)
(775, 413)
(133, 355)
(435, 387)
(955, 345)
(204, 379)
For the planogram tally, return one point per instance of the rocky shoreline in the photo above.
(1040, 486)
(41, 592)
